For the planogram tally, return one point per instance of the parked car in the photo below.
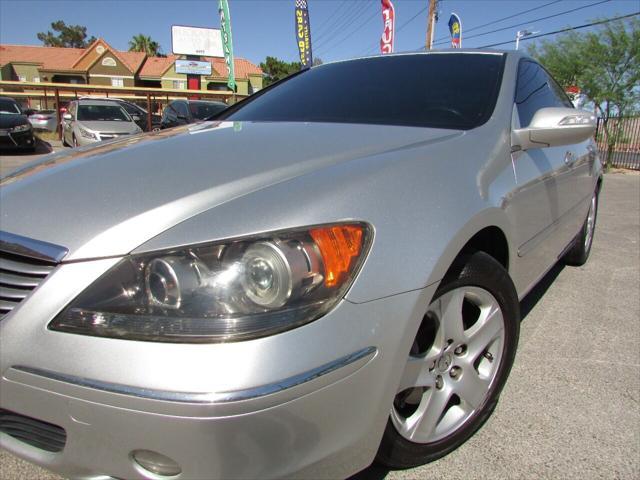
(183, 112)
(89, 121)
(322, 277)
(15, 130)
(137, 113)
(44, 120)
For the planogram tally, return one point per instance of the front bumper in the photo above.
(17, 140)
(190, 402)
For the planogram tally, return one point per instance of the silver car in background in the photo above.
(90, 120)
(44, 120)
(327, 275)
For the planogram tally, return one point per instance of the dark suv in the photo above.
(182, 112)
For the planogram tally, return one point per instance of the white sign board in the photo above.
(191, 67)
(205, 42)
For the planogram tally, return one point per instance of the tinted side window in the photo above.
(534, 90)
(130, 108)
(181, 108)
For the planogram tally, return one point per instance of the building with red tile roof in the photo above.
(101, 64)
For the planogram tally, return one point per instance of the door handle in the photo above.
(569, 158)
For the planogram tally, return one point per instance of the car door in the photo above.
(132, 110)
(580, 158)
(182, 109)
(545, 179)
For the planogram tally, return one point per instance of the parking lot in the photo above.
(570, 408)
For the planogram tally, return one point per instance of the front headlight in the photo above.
(87, 134)
(21, 128)
(221, 292)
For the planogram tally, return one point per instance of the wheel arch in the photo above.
(488, 232)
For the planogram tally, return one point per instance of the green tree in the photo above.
(144, 43)
(275, 69)
(69, 36)
(605, 65)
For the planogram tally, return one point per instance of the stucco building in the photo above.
(101, 64)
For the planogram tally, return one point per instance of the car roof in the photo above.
(448, 51)
(87, 101)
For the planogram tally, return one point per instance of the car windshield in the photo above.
(205, 110)
(102, 113)
(9, 107)
(452, 90)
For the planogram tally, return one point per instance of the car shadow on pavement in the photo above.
(372, 472)
(42, 148)
(533, 297)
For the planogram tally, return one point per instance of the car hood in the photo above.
(109, 126)
(107, 200)
(10, 120)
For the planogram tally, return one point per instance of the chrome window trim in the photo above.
(27, 247)
(208, 398)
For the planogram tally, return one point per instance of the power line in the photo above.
(564, 30)
(330, 17)
(349, 15)
(534, 20)
(502, 19)
(365, 22)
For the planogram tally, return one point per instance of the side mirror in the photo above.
(67, 116)
(135, 118)
(551, 127)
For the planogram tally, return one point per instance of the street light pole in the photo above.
(522, 34)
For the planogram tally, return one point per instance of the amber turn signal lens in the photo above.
(340, 246)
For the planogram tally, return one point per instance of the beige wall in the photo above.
(256, 82)
(119, 70)
(27, 71)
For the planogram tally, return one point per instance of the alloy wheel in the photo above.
(452, 365)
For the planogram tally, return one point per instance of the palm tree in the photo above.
(144, 43)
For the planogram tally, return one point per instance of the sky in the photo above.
(340, 29)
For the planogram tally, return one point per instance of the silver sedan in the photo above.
(90, 121)
(327, 275)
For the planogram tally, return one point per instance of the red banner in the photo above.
(389, 31)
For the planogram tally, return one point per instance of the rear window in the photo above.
(456, 91)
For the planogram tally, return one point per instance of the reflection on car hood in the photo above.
(10, 120)
(113, 126)
(107, 200)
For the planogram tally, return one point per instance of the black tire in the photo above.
(579, 252)
(476, 270)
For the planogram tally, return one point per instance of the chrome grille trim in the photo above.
(13, 266)
(27, 247)
(37, 433)
(24, 263)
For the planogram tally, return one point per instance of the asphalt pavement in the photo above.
(570, 408)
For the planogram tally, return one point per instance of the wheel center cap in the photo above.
(444, 363)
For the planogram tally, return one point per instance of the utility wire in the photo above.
(531, 21)
(365, 22)
(564, 30)
(501, 19)
(348, 15)
(330, 17)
